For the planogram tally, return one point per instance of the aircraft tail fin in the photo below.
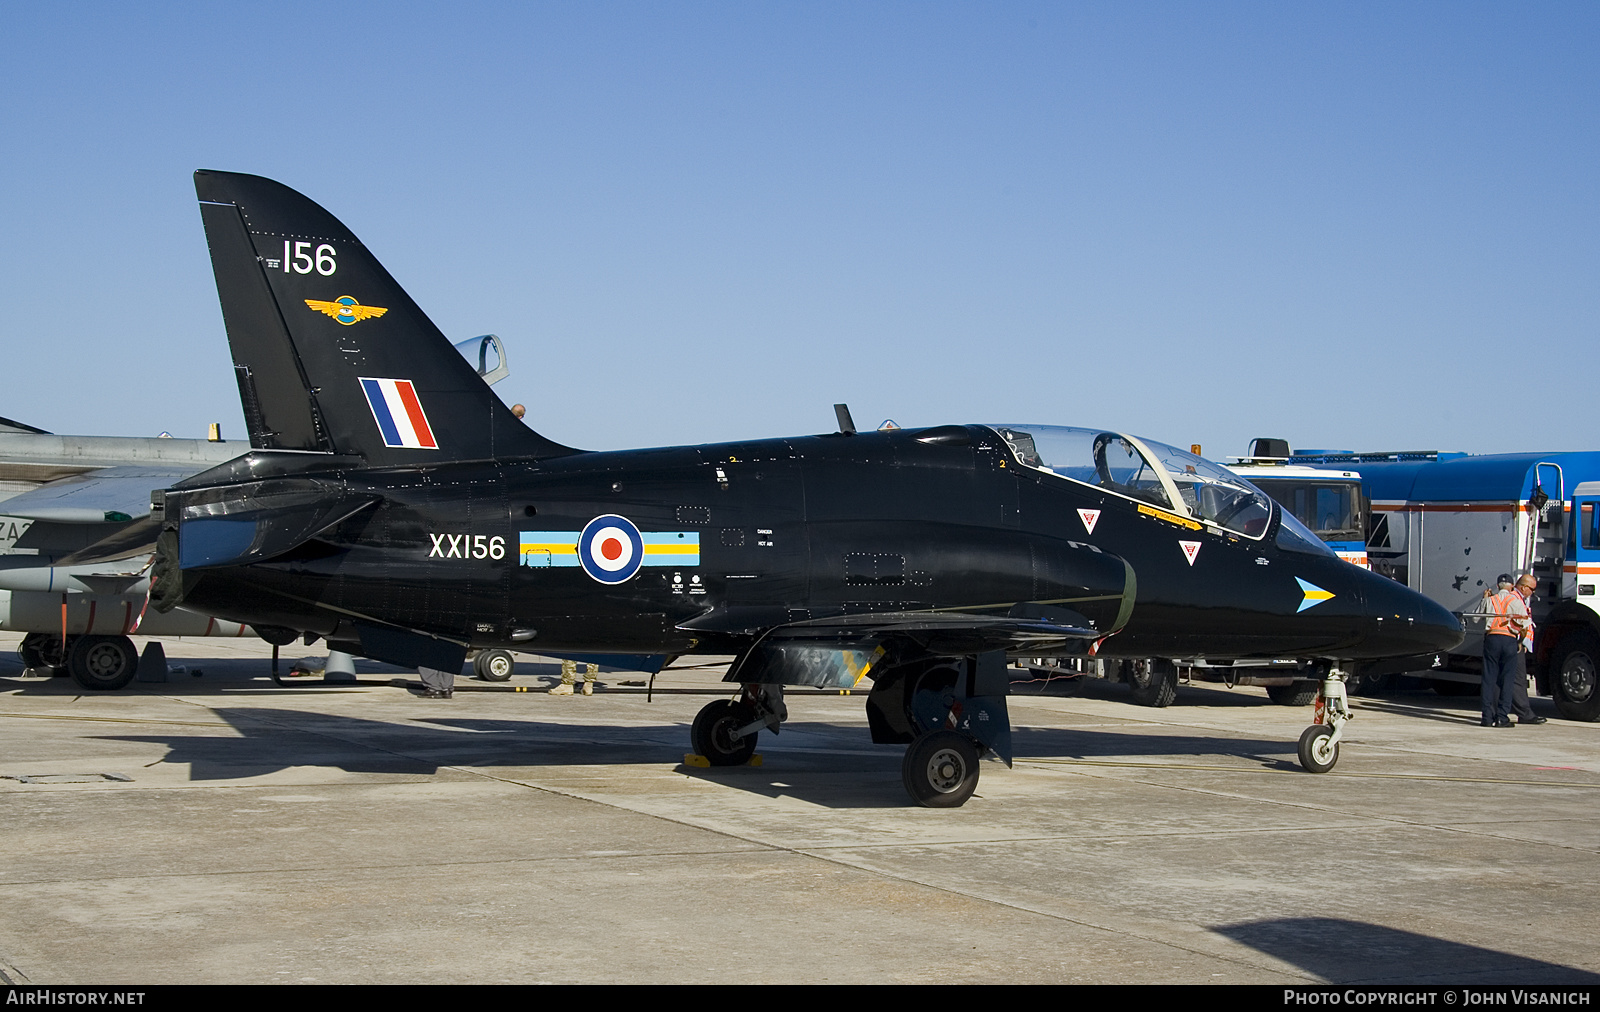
(330, 352)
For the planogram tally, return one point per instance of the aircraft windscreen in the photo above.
(1142, 469)
(1104, 459)
(1214, 493)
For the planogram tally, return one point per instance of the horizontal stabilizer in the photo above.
(235, 539)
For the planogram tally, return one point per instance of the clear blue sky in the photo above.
(1358, 225)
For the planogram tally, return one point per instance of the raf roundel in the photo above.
(610, 549)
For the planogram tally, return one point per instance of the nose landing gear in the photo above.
(1319, 743)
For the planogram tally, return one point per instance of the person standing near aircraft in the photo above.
(569, 678)
(1526, 585)
(1502, 641)
(437, 684)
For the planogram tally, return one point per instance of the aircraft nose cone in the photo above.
(1402, 622)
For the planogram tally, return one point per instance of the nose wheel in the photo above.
(1319, 743)
(1318, 750)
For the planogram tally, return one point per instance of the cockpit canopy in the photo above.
(1142, 469)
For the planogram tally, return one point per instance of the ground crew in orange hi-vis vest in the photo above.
(1526, 586)
(1508, 623)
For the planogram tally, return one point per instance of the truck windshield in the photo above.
(1143, 469)
(1331, 509)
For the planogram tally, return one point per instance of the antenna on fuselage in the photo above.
(847, 425)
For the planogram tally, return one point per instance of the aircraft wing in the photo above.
(107, 494)
(838, 651)
(99, 515)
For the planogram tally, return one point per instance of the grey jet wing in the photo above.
(95, 516)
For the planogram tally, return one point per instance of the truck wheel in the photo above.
(103, 663)
(1301, 693)
(1573, 676)
(494, 665)
(1154, 682)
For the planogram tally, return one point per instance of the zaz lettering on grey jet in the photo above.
(919, 559)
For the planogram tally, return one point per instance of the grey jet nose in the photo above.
(1402, 622)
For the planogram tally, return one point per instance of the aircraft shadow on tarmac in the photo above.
(1352, 952)
(270, 739)
(1067, 743)
(830, 765)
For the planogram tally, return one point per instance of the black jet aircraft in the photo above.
(393, 505)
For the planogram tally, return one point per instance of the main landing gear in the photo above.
(725, 731)
(949, 711)
(1319, 743)
(99, 663)
(940, 769)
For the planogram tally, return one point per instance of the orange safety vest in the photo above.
(1510, 615)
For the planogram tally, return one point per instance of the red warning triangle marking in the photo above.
(1190, 550)
(1089, 518)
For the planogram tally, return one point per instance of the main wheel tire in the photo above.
(1154, 682)
(711, 735)
(103, 663)
(1302, 693)
(1316, 754)
(494, 665)
(1453, 689)
(1574, 668)
(940, 769)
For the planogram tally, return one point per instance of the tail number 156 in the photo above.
(302, 259)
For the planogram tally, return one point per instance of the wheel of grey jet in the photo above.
(102, 663)
(940, 769)
(32, 650)
(711, 735)
(1301, 693)
(43, 650)
(1316, 755)
(494, 665)
(1154, 682)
